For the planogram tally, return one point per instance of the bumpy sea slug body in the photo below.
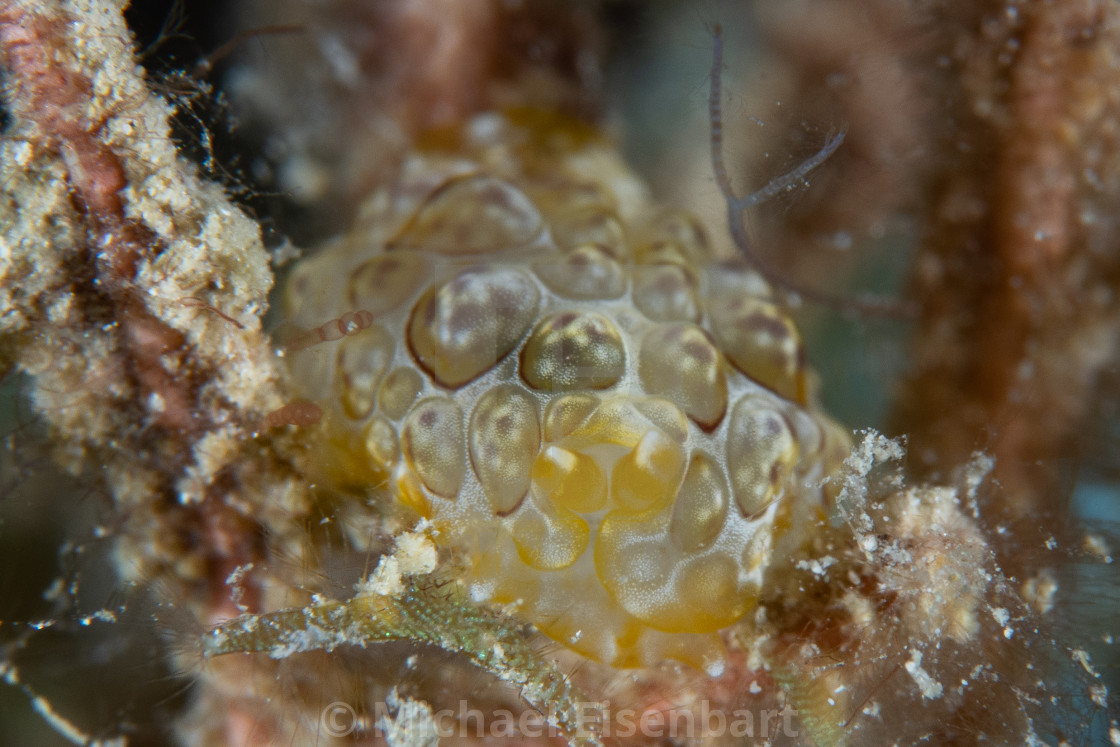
(611, 428)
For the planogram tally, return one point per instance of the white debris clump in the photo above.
(235, 581)
(1002, 616)
(925, 549)
(874, 449)
(412, 726)
(1039, 591)
(817, 566)
(930, 688)
(415, 555)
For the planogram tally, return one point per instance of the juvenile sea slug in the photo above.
(610, 428)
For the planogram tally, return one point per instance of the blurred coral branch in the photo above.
(992, 127)
(1018, 259)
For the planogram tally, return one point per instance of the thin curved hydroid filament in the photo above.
(736, 204)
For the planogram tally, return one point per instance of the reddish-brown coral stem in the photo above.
(1011, 339)
(163, 418)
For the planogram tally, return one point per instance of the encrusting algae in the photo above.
(574, 418)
